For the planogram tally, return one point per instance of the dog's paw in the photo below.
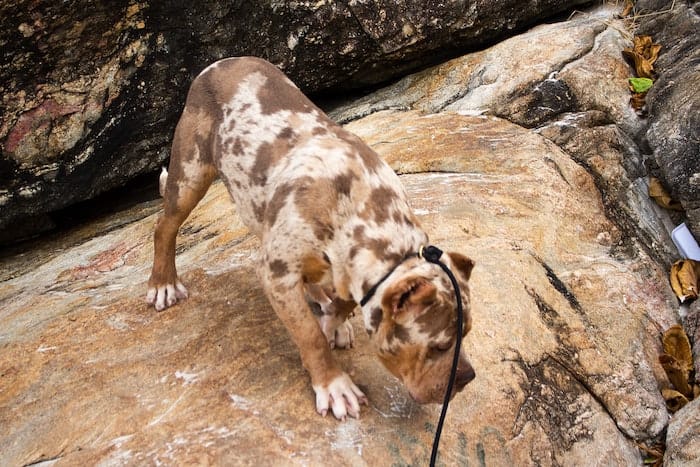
(344, 336)
(341, 396)
(340, 335)
(164, 296)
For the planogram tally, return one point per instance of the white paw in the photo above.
(344, 336)
(166, 295)
(341, 396)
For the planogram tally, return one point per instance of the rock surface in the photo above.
(564, 337)
(567, 304)
(569, 82)
(673, 101)
(683, 445)
(91, 94)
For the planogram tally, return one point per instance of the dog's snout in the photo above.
(464, 376)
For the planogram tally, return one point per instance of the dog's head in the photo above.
(417, 333)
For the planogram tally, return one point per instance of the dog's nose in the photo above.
(464, 376)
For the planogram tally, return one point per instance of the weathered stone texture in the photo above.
(92, 93)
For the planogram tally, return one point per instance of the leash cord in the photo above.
(432, 255)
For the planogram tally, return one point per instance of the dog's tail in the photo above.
(162, 180)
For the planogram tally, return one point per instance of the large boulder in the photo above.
(673, 101)
(567, 305)
(564, 340)
(567, 81)
(683, 438)
(91, 93)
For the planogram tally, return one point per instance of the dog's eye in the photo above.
(441, 347)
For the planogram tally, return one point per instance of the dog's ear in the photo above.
(410, 294)
(463, 264)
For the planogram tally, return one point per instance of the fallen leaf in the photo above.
(642, 67)
(640, 85)
(629, 7)
(684, 281)
(661, 196)
(638, 101)
(674, 400)
(643, 54)
(644, 46)
(653, 455)
(676, 374)
(677, 344)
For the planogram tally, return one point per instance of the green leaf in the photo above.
(641, 84)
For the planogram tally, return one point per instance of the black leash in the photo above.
(432, 254)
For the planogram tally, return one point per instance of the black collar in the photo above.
(370, 293)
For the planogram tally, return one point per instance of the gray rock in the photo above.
(673, 101)
(569, 80)
(91, 93)
(683, 437)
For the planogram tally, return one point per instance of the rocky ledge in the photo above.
(529, 167)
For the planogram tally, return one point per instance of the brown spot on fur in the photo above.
(375, 318)
(278, 268)
(379, 247)
(259, 211)
(270, 153)
(279, 198)
(370, 160)
(399, 333)
(380, 205)
(358, 233)
(279, 94)
(343, 183)
(440, 319)
(287, 133)
(313, 268)
(344, 309)
(316, 200)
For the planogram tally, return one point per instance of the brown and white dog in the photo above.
(333, 220)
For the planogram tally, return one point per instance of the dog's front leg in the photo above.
(334, 389)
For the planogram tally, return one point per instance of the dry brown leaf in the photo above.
(654, 454)
(638, 100)
(629, 7)
(645, 47)
(659, 193)
(674, 400)
(643, 54)
(676, 374)
(684, 281)
(642, 67)
(677, 344)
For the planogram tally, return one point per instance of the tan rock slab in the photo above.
(564, 336)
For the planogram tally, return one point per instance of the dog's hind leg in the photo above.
(190, 175)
